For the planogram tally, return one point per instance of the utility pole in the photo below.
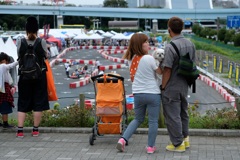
(195, 11)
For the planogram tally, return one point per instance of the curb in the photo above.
(161, 131)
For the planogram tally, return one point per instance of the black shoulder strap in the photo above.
(37, 42)
(24, 41)
(175, 47)
(23, 47)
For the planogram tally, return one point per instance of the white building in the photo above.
(231, 3)
(140, 3)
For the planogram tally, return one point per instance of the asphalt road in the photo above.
(206, 97)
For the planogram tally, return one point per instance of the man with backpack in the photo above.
(32, 85)
(175, 87)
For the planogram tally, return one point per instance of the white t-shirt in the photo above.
(68, 68)
(66, 65)
(101, 72)
(145, 80)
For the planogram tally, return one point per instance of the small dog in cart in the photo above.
(158, 55)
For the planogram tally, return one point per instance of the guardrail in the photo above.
(221, 82)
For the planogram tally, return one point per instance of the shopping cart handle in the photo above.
(116, 76)
(95, 77)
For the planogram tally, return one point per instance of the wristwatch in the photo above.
(161, 88)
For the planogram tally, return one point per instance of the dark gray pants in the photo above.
(175, 110)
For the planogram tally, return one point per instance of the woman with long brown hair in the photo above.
(143, 70)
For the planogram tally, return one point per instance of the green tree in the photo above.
(204, 33)
(237, 40)
(5, 27)
(196, 29)
(20, 23)
(70, 5)
(229, 36)
(212, 33)
(115, 3)
(221, 34)
(4, 3)
(77, 20)
(148, 6)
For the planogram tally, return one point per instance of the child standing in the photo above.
(6, 97)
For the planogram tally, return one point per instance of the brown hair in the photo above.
(135, 46)
(175, 24)
(31, 36)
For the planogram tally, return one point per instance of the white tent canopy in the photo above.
(2, 45)
(81, 36)
(20, 35)
(59, 34)
(129, 36)
(11, 48)
(91, 32)
(95, 36)
(113, 32)
(107, 34)
(119, 36)
(84, 36)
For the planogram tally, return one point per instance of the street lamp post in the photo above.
(146, 24)
(195, 11)
(53, 19)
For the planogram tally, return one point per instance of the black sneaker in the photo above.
(1, 124)
(8, 126)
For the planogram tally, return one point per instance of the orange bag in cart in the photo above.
(52, 93)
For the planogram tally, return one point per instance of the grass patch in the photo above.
(232, 55)
(74, 116)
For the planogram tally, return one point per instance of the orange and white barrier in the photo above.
(109, 67)
(80, 61)
(222, 91)
(114, 59)
(84, 81)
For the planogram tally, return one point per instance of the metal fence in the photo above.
(220, 67)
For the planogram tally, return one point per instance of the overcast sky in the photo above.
(76, 2)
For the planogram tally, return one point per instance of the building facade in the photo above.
(150, 3)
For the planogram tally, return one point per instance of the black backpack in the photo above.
(30, 64)
(187, 68)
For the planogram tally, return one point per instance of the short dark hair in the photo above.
(175, 24)
(4, 56)
(31, 25)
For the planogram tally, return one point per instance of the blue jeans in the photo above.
(143, 102)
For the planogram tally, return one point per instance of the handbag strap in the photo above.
(134, 66)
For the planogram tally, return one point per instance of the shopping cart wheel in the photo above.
(91, 139)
